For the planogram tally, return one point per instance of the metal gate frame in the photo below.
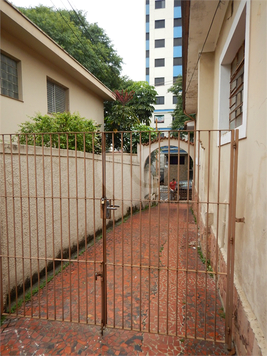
(9, 151)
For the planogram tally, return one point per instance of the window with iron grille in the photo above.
(160, 24)
(159, 81)
(236, 88)
(9, 77)
(56, 97)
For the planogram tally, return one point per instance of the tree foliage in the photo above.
(179, 116)
(133, 106)
(62, 130)
(86, 42)
(143, 100)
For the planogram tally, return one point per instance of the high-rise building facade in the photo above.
(163, 55)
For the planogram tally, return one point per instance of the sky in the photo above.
(122, 20)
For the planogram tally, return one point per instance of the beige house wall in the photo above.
(251, 239)
(58, 209)
(33, 72)
(39, 58)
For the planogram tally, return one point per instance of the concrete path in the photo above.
(166, 298)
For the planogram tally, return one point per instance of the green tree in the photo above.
(86, 42)
(143, 100)
(124, 115)
(179, 116)
(62, 130)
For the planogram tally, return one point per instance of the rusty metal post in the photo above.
(104, 266)
(231, 238)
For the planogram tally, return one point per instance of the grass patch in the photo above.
(203, 260)
(222, 313)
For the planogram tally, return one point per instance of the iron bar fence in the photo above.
(77, 208)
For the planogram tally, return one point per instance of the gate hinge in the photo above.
(228, 330)
(240, 220)
(234, 145)
(231, 240)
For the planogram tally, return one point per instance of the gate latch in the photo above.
(100, 273)
(106, 208)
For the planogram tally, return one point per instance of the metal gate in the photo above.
(92, 233)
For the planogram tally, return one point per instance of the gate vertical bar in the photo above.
(104, 267)
(231, 237)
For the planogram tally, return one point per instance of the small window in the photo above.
(147, 18)
(147, 54)
(159, 4)
(160, 24)
(177, 61)
(147, 2)
(147, 71)
(160, 62)
(56, 98)
(147, 36)
(159, 43)
(174, 160)
(159, 81)
(177, 22)
(236, 88)
(177, 41)
(175, 100)
(177, 3)
(9, 77)
(159, 100)
(159, 119)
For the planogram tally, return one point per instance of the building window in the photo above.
(177, 61)
(147, 2)
(160, 62)
(147, 36)
(159, 119)
(147, 18)
(159, 81)
(147, 71)
(147, 54)
(56, 97)
(177, 42)
(175, 99)
(159, 23)
(159, 100)
(159, 43)
(174, 79)
(233, 75)
(9, 77)
(236, 88)
(159, 4)
(177, 3)
(177, 22)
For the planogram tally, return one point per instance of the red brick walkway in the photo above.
(171, 300)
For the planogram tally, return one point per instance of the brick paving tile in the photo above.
(160, 299)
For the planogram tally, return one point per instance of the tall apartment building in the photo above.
(163, 55)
